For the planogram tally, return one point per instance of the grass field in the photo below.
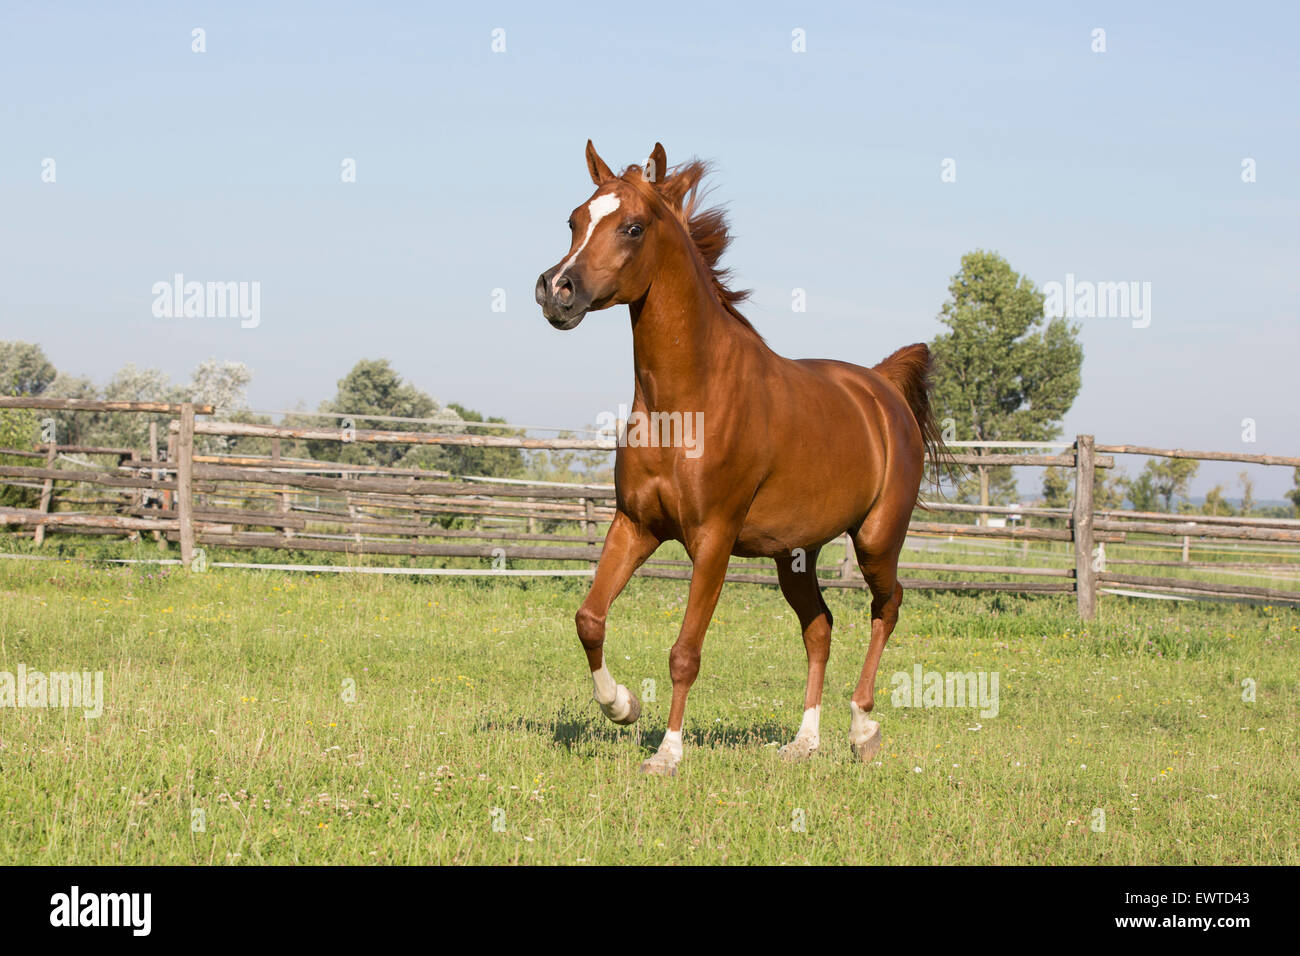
(226, 737)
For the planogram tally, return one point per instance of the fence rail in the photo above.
(256, 501)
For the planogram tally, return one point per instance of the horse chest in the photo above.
(670, 492)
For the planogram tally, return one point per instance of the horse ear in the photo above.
(656, 167)
(674, 188)
(600, 173)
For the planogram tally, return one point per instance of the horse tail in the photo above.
(909, 369)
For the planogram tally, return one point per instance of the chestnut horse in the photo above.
(789, 455)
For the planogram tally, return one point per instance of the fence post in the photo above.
(850, 559)
(1085, 579)
(283, 497)
(185, 482)
(47, 492)
(589, 510)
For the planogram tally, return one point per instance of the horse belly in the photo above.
(781, 520)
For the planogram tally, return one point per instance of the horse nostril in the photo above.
(540, 292)
(564, 290)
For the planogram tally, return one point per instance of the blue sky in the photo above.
(225, 165)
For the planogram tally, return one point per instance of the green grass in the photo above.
(223, 693)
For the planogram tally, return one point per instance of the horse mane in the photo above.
(708, 230)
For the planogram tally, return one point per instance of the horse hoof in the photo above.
(866, 746)
(633, 707)
(798, 750)
(660, 765)
(633, 710)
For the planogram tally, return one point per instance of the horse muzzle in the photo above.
(562, 302)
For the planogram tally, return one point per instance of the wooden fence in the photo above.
(201, 500)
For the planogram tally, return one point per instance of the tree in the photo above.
(1142, 491)
(74, 428)
(1107, 490)
(1056, 487)
(494, 462)
(113, 429)
(130, 429)
(19, 429)
(24, 369)
(1002, 372)
(1247, 492)
(1215, 503)
(373, 387)
(1294, 493)
(1171, 476)
(223, 385)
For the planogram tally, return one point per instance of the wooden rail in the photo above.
(313, 505)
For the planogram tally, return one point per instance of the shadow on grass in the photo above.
(570, 730)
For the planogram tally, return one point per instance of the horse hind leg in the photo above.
(797, 575)
(881, 572)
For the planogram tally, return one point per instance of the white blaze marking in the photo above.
(598, 209)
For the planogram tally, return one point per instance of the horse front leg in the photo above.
(710, 570)
(627, 545)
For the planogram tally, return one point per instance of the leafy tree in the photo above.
(1294, 493)
(1107, 490)
(131, 429)
(555, 464)
(24, 369)
(1002, 371)
(224, 386)
(1165, 478)
(74, 428)
(113, 429)
(1216, 504)
(584, 466)
(1056, 487)
(373, 387)
(1171, 476)
(496, 462)
(1141, 491)
(19, 430)
(1247, 492)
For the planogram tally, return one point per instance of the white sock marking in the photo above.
(810, 726)
(861, 726)
(614, 699)
(672, 744)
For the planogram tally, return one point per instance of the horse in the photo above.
(788, 456)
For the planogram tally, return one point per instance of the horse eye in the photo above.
(570, 223)
(634, 230)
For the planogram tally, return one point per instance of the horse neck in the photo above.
(681, 336)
